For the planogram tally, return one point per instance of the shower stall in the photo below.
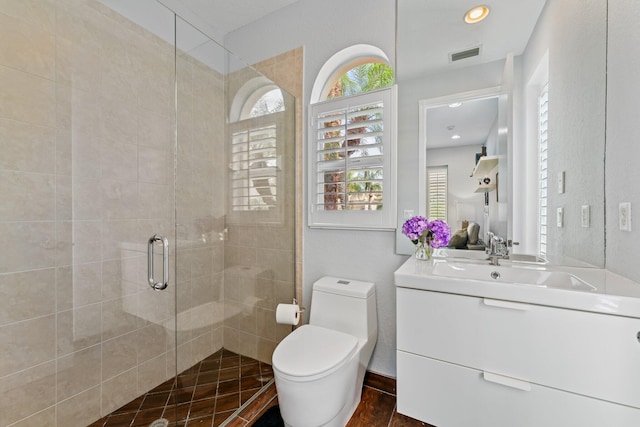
(147, 213)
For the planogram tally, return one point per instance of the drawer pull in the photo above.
(506, 381)
(506, 304)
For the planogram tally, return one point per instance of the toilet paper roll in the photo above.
(288, 314)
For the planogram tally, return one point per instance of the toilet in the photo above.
(319, 368)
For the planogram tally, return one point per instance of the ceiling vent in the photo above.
(469, 53)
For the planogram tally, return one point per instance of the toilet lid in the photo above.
(312, 350)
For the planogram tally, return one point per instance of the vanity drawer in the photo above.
(447, 395)
(587, 353)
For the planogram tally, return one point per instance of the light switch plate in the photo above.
(584, 218)
(408, 213)
(624, 216)
(560, 217)
(561, 182)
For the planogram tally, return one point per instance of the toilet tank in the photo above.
(345, 305)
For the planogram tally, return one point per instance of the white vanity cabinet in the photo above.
(471, 361)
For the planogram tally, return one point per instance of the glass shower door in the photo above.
(86, 178)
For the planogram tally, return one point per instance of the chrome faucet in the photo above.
(496, 249)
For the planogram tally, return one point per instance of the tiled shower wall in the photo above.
(86, 176)
(261, 251)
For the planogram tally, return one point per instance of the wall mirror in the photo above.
(547, 79)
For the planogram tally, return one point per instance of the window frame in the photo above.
(383, 219)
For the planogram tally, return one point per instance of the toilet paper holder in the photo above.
(295, 302)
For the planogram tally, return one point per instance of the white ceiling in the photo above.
(472, 121)
(428, 31)
(226, 16)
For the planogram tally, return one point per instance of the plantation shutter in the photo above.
(543, 116)
(352, 178)
(254, 165)
(437, 193)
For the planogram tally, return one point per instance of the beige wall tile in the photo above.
(151, 341)
(184, 357)
(86, 201)
(77, 66)
(79, 328)
(119, 161)
(86, 242)
(202, 346)
(119, 199)
(26, 47)
(118, 355)
(276, 264)
(26, 344)
(39, 13)
(46, 417)
(87, 284)
(26, 147)
(155, 129)
(33, 245)
(266, 326)
(116, 320)
(119, 390)
(77, 372)
(27, 295)
(27, 98)
(81, 409)
(117, 236)
(265, 349)
(27, 392)
(26, 196)
(79, 155)
(154, 306)
(154, 166)
(119, 119)
(154, 372)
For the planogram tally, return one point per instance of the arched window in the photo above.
(362, 78)
(256, 120)
(352, 164)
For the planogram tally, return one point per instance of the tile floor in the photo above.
(212, 390)
(206, 394)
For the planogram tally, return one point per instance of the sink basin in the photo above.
(511, 274)
(459, 254)
(449, 253)
(527, 258)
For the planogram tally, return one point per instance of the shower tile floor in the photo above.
(206, 394)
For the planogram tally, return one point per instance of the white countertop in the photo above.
(614, 294)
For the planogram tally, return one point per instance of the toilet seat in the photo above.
(311, 352)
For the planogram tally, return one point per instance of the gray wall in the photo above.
(623, 134)
(324, 28)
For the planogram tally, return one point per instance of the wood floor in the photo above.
(377, 407)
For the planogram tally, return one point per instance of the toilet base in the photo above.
(343, 416)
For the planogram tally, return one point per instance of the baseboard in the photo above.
(380, 382)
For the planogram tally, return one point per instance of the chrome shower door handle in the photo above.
(158, 286)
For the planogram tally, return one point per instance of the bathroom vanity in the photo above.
(516, 345)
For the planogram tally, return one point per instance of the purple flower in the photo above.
(436, 233)
(440, 233)
(414, 227)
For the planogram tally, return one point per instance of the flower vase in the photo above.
(423, 251)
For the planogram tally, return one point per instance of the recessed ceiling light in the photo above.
(476, 14)
(455, 104)
(456, 136)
